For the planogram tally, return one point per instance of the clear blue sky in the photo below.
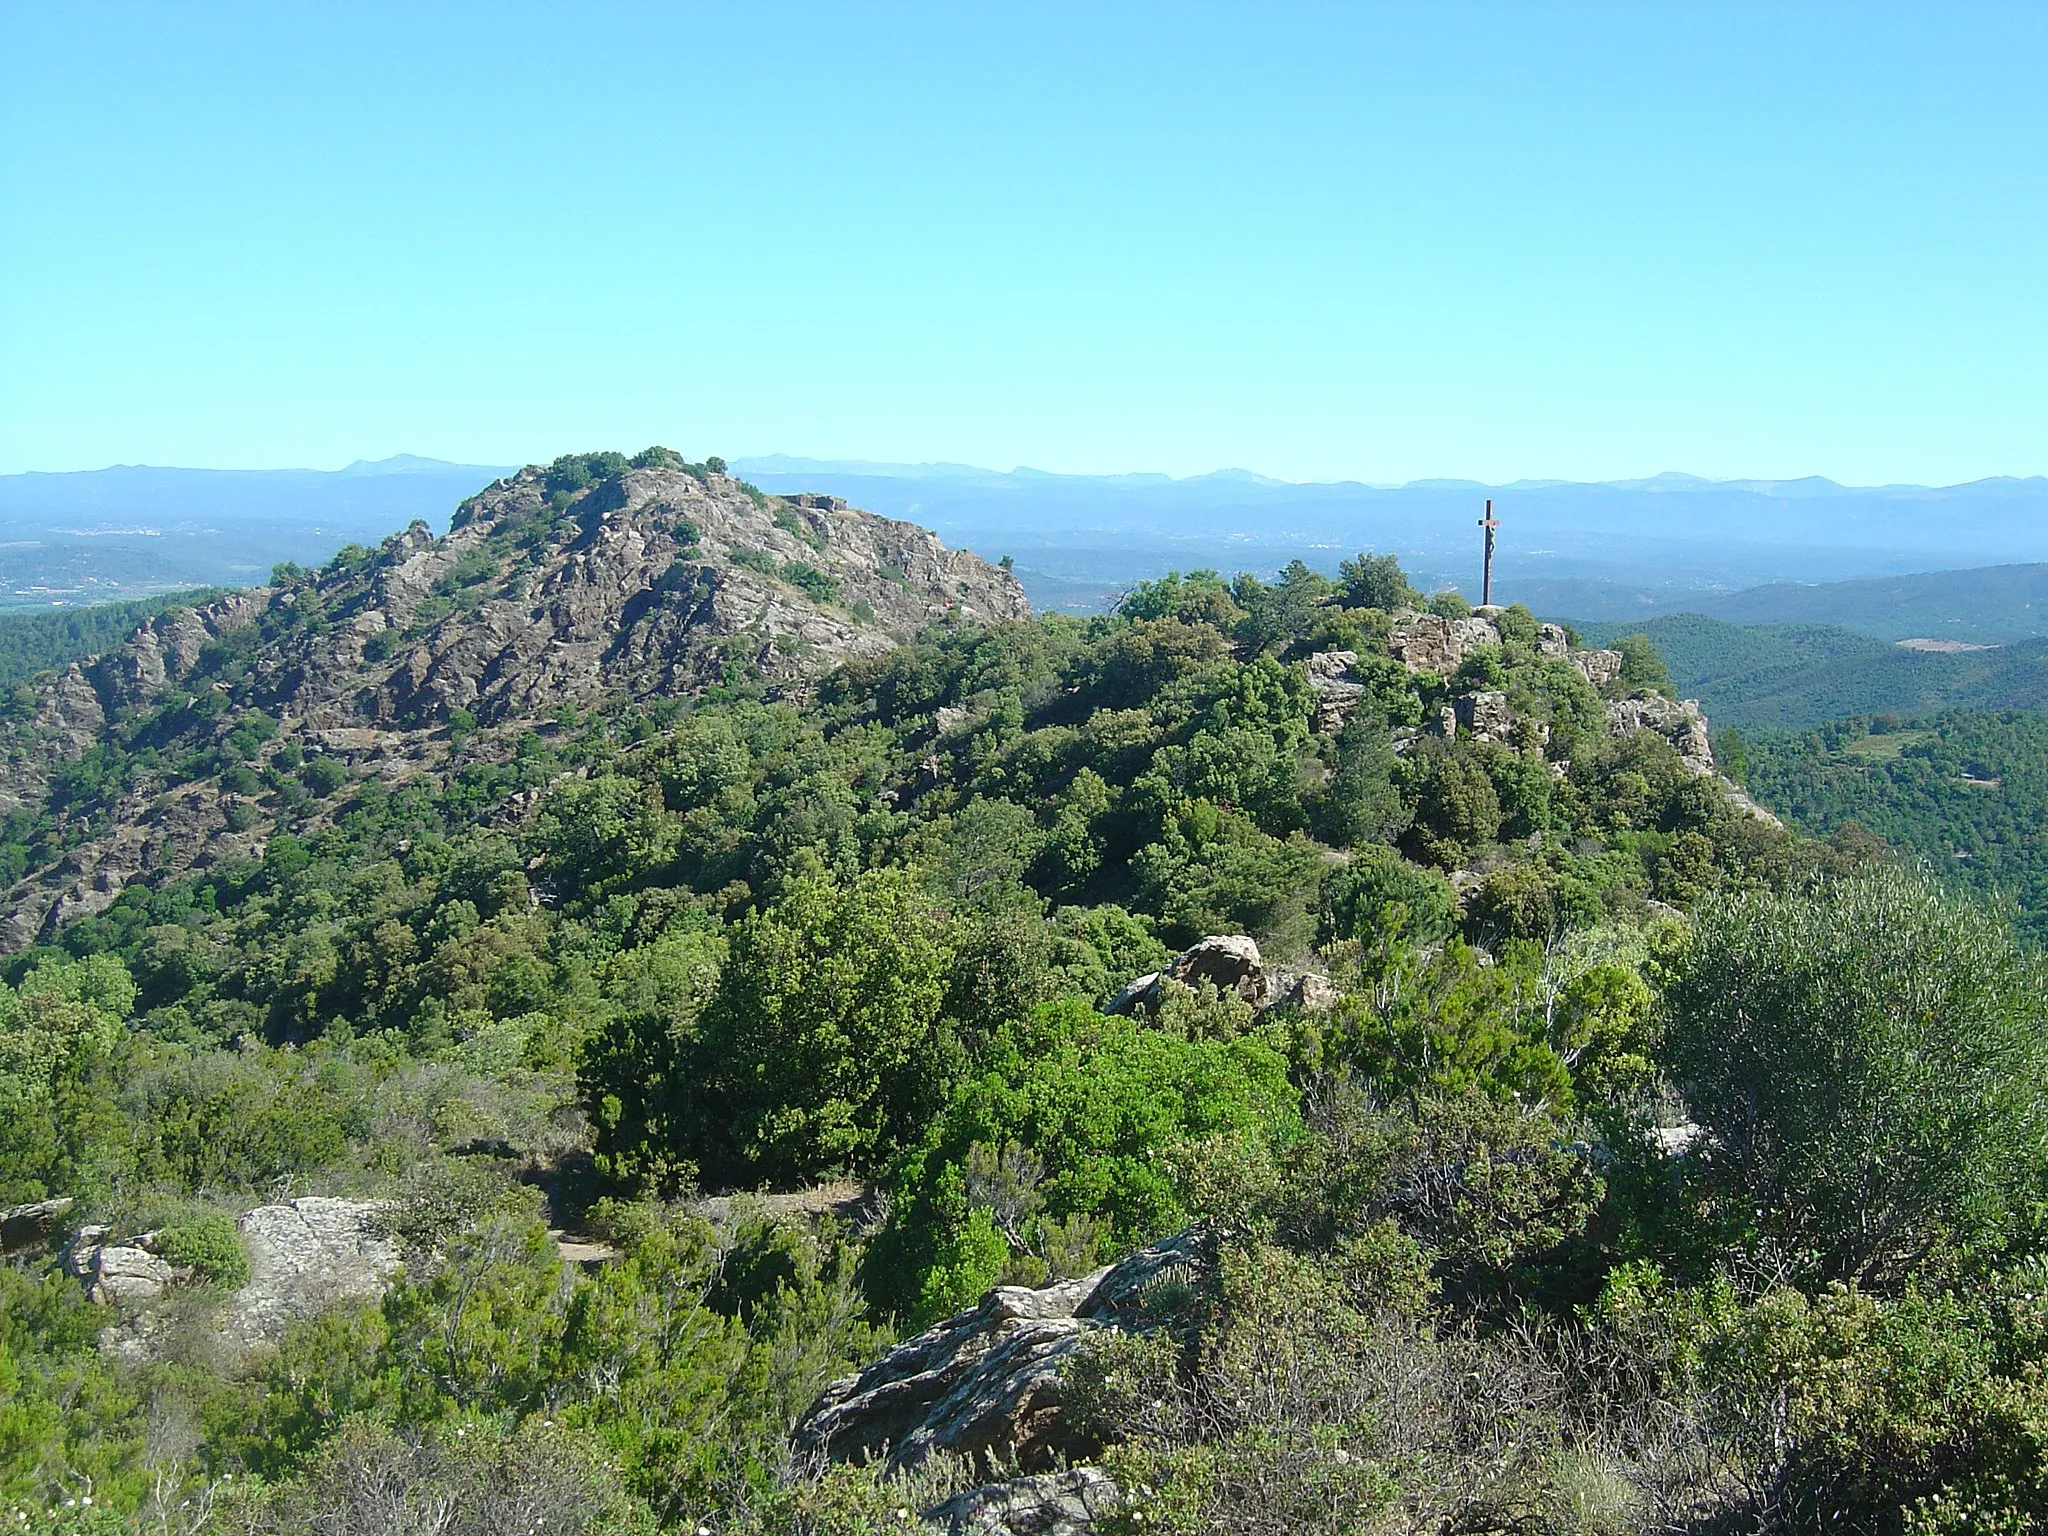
(1379, 242)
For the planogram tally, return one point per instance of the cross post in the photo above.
(1489, 523)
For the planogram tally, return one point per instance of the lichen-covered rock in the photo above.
(303, 1256)
(1337, 691)
(1679, 722)
(1485, 716)
(119, 1274)
(1230, 963)
(1428, 642)
(1069, 1503)
(986, 1381)
(1597, 667)
(28, 1226)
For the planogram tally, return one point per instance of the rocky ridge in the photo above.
(650, 582)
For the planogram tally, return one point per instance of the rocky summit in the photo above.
(594, 579)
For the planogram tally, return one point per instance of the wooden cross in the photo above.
(1489, 523)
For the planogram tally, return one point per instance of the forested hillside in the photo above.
(544, 1102)
(1794, 676)
(1966, 792)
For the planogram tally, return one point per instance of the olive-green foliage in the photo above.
(1377, 581)
(1076, 1115)
(1378, 887)
(1870, 1061)
(824, 1049)
(211, 1245)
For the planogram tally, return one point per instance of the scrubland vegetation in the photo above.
(1660, 1170)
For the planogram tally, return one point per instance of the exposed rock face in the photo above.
(1337, 691)
(648, 585)
(1679, 722)
(1230, 963)
(306, 1255)
(1484, 715)
(1051, 1504)
(1597, 667)
(1427, 642)
(1552, 641)
(987, 1380)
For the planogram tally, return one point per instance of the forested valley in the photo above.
(1571, 1148)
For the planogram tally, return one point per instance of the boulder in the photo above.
(1428, 642)
(1066, 1503)
(119, 1274)
(303, 1256)
(1230, 963)
(986, 1382)
(1553, 641)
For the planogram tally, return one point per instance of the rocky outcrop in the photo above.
(652, 583)
(1230, 963)
(303, 1256)
(1068, 1503)
(986, 1382)
(1678, 721)
(1337, 690)
(1597, 667)
(120, 1274)
(29, 1226)
(1484, 716)
(1428, 642)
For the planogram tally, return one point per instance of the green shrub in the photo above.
(1871, 1064)
(209, 1244)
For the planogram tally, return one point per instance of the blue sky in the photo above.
(1375, 242)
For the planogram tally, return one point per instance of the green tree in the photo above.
(1870, 1062)
(1377, 581)
(824, 1049)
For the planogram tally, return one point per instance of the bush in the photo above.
(1076, 1117)
(1870, 1061)
(209, 1244)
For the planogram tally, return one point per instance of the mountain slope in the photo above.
(555, 588)
(1792, 676)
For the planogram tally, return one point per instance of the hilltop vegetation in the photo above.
(847, 922)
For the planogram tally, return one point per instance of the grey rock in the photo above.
(28, 1226)
(1597, 667)
(1552, 641)
(1068, 1503)
(1485, 716)
(1230, 963)
(119, 1274)
(1679, 722)
(306, 1255)
(986, 1382)
(1337, 690)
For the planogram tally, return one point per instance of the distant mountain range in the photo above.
(1590, 551)
(1604, 550)
(136, 529)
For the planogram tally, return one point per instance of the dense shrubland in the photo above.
(753, 942)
